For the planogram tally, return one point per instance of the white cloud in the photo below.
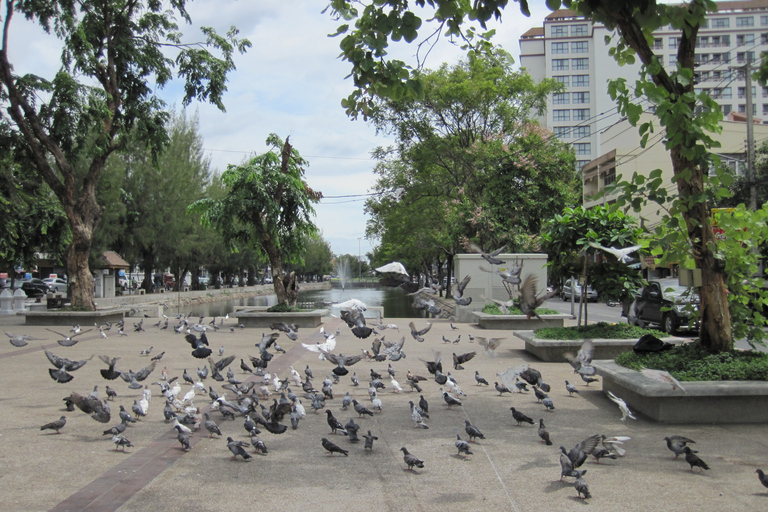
(291, 83)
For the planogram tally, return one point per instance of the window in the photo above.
(764, 38)
(579, 30)
(702, 77)
(726, 109)
(563, 79)
(743, 109)
(562, 98)
(673, 59)
(559, 64)
(702, 42)
(721, 23)
(559, 48)
(583, 148)
(658, 43)
(742, 92)
(745, 21)
(580, 47)
(562, 132)
(609, 176)
(701, 58)
(718, 58)
(765, 108)
(581, 80)
(745, 39)
(582, 64)
(674, 42)
(561, 115)
(580, 132)
(726, 94)
(581, 97)
(764, 21)
(742, 57)
(581, 163)
(560, 31)
(580, 114)
(765, 92)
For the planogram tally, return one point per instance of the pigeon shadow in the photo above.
(577, 499)
(556, 485)
(460, 457)
(761, 494)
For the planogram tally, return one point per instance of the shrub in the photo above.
(595, 331)
(690, 362)
(493, 309)
(283, 308)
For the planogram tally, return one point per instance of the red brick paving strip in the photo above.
(116, 486)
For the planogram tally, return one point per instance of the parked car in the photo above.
(203, 280)
(665, 303)
(573, 287)
(35, 287)
(56, 284)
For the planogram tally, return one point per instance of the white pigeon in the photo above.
(276, 383)
(663, 376)
(200, 387)
(625, 412)
(144, 405)
(319, 348)
(147, 394)
(614, 443)
(621, 254)
(181, 427)
(396, 388)
(296, 377)
(300, 408)
(352, 304)
(190, 396)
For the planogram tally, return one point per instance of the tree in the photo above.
(687, 117)
(317, 260)
(113, 59)
(567, 237)
(268, 206)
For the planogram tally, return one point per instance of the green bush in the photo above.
(689, 362)
(283, 308)
(595, 331)
(493, 309)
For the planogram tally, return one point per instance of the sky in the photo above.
(290, 82)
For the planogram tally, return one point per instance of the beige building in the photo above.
(623, 157)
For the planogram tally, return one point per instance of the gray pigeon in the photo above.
(581, 487)
(183, 438)
(211, 426)
(332, 448)
(121, 441)
(760, 475)
(238, 448)
(462, 446)
(677, 444)
(544, 433)
(694, 460)
(369, 439)
(20, 340)
(55, 425)
(472, 431)
(410, 460)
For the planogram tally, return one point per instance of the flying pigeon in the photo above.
(529, 300)
(663, 376)
(20, 340)
(621, 254)
(458, 292)
(68, 340)
(200, 348)
(418, 333)
(489, 257)
(356, 321)
(490, 345)
(677, 444)
(625, 412)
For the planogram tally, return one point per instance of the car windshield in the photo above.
(675, 289)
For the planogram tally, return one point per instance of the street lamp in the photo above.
(359, 260)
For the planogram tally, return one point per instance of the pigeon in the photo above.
(613, 444)
(355, 380)
(308, 372)
(146, 351)
(529, 300)
(458, 292)
(623, 255)
(111, 393)
(55, 425)
(540, 395)
(490, 345)
(341, 361)
(472, 431)
(411, 460)
(693, 460)
(663, 376)
(199, 345)
(520, 417)
(544, 433)
(566, 467)
(356, 321)
(121, 441)
(424, 405)
(511, 276)
(625, 412)
(761, 476)
(450, 400)
(588, 379)
(183, 439)
(677, 444)
(351, 428)
(332, 448)
(158, 356)
(238, 448)
(501, 388)
(334, 423)
(581, 487)
(489, 257)
(20, 340)
(68, 341)
(602, 453)
(369, 439)
(211, 426)
(361, 409)
(570, 388)
(582, 361)
(258, 445)
(480, 380)
(547, 402)
(98, 410)
(579, 453)
(462, 446)
(416, 416)
(418, 333)
(463, 358)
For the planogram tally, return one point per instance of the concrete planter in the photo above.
(83, 318)
(513, 322)
(554, 350)
(703, 402)
(258, 316)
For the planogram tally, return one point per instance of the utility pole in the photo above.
(750, 138)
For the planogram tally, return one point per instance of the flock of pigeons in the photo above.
(265, 401)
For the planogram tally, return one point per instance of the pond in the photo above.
(396, 303)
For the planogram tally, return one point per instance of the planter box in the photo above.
(83, 318)
(259, 317)
(513, 322)
(703, 402)
(554, 350)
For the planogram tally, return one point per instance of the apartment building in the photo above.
(572, 50)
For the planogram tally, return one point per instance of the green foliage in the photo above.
(283, 308)
(493, 309)
(690, 362)
(600, 330)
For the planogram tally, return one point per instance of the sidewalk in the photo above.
(509, 470)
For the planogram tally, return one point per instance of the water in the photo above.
(342, 272)
(394, 300)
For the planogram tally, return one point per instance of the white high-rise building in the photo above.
(572, 50)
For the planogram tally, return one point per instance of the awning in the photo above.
(394, 267)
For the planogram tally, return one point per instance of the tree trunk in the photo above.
(81, 283)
